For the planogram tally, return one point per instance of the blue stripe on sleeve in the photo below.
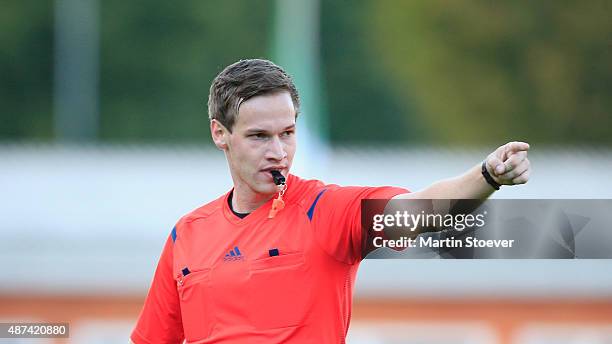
(312, 207)
(173, 234)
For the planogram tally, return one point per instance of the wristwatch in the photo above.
(488, 178)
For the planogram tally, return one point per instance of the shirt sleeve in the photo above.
(336, 216)
(160, 318)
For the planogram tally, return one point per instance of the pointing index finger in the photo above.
(517, 146)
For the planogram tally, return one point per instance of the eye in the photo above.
(288, 133)
(258, 136)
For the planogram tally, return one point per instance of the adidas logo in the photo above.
(233, 255)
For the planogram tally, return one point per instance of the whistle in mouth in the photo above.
(279, 179)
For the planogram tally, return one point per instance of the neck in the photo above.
(244, 200)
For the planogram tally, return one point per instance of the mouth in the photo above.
(274, 168)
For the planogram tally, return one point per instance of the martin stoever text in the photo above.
(430, 242)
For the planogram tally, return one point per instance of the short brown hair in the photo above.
(243, 80)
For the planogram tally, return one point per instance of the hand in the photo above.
(509, 165)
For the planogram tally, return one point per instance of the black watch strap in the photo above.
(488, 177)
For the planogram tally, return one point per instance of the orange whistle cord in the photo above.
(277, 204)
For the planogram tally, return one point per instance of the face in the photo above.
(262, 139)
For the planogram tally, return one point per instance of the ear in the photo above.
(219, 133)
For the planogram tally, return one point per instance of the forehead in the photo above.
(270, 112)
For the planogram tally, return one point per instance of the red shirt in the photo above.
(289, 279)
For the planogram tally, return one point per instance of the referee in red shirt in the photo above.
(274, 260)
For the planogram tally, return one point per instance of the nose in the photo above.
(276, 149)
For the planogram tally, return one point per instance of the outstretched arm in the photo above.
(507, 165)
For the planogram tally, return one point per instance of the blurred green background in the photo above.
(392, 72)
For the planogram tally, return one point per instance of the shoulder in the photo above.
(207, 210)
(304, 191)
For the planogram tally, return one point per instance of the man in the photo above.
(268, 263)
